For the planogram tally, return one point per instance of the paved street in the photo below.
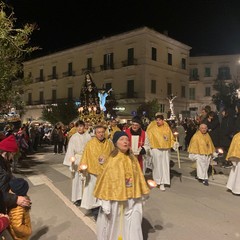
(186, 210)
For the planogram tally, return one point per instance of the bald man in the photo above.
(201, 149)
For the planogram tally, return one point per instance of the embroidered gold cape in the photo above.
(234, 149)
(160, 137)
(94, 150)
(201, 144)
(121, 179)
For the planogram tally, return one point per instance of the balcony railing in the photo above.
(224, 77)
(92, 70)
(106, 67)
(129, 62)
(68, 73)
(39, 79)
(127, 95)
(53, 76)
(194, 78)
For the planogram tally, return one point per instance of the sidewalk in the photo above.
(187, 168)
(53, 215)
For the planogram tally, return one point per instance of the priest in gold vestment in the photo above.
(233, 155)
(201, 149)
(94, 155)
(121, 190)
(161, 141)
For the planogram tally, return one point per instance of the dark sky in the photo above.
(210, 27)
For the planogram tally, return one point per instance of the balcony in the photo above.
(129, 62)
(106, 67)
(39, 79)
(224, 77)
(127, 95)
(68, 73)
(53, 76)
(90, 69)
(194, 78)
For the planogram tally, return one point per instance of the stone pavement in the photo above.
(188, 168)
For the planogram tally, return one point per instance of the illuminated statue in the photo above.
(170, 99)
(102, 98)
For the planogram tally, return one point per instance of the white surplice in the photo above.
(234, 178)
(120, 218)
(75, 149)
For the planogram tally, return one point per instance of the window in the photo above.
(183, 63)
(54, 96)
(154, 54)
(207, 72)
(207, 91)
(169, 59)
(169, 89)
(183, 91)
(130, 88)
(130, 56)
(89, 64)
(194, 74)
(70, 93)
(107, 61)
(108, 86)
(70, 69)
(224, 73)
(29, 98)
(41, 97)
(153, 86)
(41, 78)
(162, 108)
(191, 93)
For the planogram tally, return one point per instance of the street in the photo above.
(186, 210)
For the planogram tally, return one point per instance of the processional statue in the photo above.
(92, 101)
(170, 99)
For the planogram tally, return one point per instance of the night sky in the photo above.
(210, 27)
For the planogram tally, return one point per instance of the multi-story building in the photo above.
(139, 66)
(204, 70)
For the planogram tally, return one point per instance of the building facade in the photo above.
(139, 66)
(204, 70)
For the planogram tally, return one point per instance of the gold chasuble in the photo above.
(234, 149)
(95, 152)
(160, 136)
(121, 179)
(201, 144)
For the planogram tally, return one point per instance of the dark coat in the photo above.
(5, 176)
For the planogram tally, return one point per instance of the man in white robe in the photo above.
(73, 157)
(233, 155)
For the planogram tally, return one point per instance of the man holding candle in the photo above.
(95, 153)
(72, 159)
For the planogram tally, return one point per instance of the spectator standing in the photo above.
(55, 139)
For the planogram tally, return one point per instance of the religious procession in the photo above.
(114, 166)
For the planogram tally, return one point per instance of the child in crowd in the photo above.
(20, 222)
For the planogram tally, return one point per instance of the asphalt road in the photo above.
(186, 210)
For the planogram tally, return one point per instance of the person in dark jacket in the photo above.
(8, 147)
